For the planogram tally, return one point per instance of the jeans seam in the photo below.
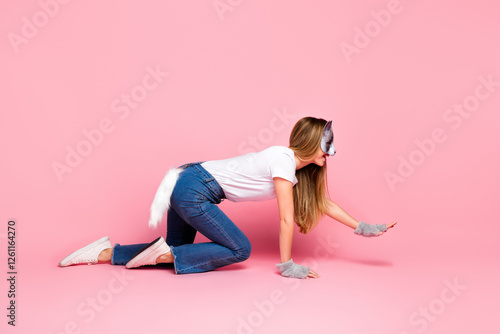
(175, 258)
(199, 264)
(219, 229)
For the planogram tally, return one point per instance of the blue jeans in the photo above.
(193, 208)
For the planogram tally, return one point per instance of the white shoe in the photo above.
(88, 254)
(148, 255)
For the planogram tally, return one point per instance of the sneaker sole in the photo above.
(67, 260)
(141, 254)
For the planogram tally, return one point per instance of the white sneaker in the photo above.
(87, 254)
(148, 255)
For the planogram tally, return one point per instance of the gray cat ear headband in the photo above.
(327, 139)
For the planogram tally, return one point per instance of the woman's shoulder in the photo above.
(280, 153)
(279, 149)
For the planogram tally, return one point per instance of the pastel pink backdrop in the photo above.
(240, 74)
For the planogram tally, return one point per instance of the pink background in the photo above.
(232, 75)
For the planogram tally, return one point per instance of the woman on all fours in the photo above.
(294, 175)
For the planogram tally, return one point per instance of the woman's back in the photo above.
(249, 177)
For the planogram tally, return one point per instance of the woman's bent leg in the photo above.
(178, 231)
(229, 244)
(123, 254)
(194, 200)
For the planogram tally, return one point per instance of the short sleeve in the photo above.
(283, 166)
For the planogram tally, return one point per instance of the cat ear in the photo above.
(327, 139)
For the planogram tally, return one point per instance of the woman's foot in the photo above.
(98, 251)
(165, 258)
(105, 255)
(150, 254)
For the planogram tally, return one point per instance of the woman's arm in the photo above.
(284, 196)
(336, 212)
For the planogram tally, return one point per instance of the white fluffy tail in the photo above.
(161, 202)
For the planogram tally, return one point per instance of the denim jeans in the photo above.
(193, 208)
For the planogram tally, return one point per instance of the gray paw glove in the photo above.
(367, 230)
(293, 270)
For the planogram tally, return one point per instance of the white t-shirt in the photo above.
(249, 177)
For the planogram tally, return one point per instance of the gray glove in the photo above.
(367, 230)
(293, 270)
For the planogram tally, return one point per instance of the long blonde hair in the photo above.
(310, 194)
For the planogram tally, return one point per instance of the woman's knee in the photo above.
(243, 253)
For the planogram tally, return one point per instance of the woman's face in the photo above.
(320, 158)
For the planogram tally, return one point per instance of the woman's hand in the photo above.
(391, 225)
(312, 274)
(294, 270)
(336, 212)
(369, 230)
